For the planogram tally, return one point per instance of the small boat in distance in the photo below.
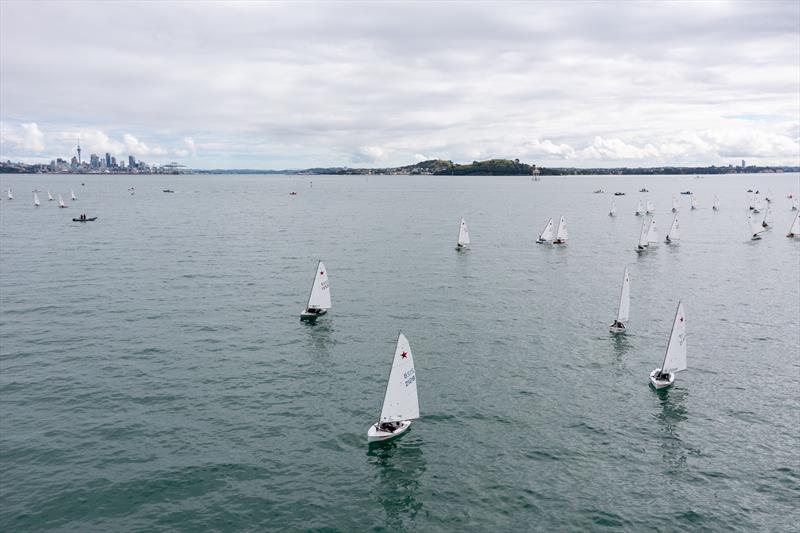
(293, 193)
(686, 192)
(561, 234)
(643, 190)
(167, 190)
(768, 221)
(794, 230)
(35, 200)
(598, 191)
(795, 203)
(61, 203)
(49, 197)
(694, 202)
(613, 211)
(675, 358)
(319, 300)
(463, 235)
(715, 205)
(639, 209)
(675, 204)
(72, 194)
(674, 232)
(84, 218)
(400, 401)
(619, 194)
(650, 209)
(755, 228)
(547, 233)
(624, 305)
(10, 195)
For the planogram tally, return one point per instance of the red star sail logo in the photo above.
(404, 354)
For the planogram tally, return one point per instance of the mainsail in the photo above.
(624, 298)
(675, 358)
(320, 297)
(463, 233)
(400, 401)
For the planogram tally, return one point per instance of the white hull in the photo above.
(541, 241)
(375, 435)
(617, 329)
(755, 238)
(305, 315)
(659, 384)
(559, 242)
(461, 247)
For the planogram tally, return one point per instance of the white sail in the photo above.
(794, 231)
(639, 208)
(755, 226)
(716, 202)
(49, 197)
(768, 219)
(650, 208)
(36, 199)
(547, 232)
(751, 199)
(60, 201)
(613, 210)
(562, 234)
(675, 358)
(72, 193)
(694, 202)
(674, 230)
(675, 204)
(652, 234)
(10, 195)
(624, 298)
(795, 202)
(757, 204)
(320, 297)
(463, 233)
(643, 234)
(400, 401)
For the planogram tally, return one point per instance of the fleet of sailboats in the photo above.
(319, 299)
(463, 235)
(400, 401)
(623, 311)
(675, 357)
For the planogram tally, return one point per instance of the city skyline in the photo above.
(277, 85)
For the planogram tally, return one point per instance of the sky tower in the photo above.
(79, 150)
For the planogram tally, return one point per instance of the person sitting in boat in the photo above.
(313, 311)
(618, 324)
(389, 427)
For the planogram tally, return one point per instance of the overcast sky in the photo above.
(278, 85)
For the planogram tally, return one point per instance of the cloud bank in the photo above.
(287, 85)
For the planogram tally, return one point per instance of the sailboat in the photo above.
(400, 403)
(715, 205)
(463, 235)
(547, 233)
(694, 202)
(795, 203)
(675, 358)
(675, 204)
(61, 202)
(613, 211)
(794, 231)
(756, 204)
(650, 209)
(768, 220)
(319, 301)
(49, 197)
(769, 196)
(752, 202)
(755, 228)
(561, 235)
(35, 200)
(72, 193)
(674, 232)
(10, 195)
(624, 305)
(642, 246)
(652, 233)
(638, 212)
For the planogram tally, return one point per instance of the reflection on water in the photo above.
(673, 413)
(399, 463)
(319, 335)
(622, 344)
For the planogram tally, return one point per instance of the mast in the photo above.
(670, 337)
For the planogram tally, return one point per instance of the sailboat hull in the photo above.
(659, 383)
(617, 329)
(306, 315)
(375, 435)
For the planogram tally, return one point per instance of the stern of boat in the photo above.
(376, 435)
(661, 384)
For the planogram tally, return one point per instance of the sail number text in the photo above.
(409, 377)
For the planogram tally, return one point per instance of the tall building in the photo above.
(113, 162)
(131, 161)
(79, 151)
(108, 159)
(743, 165)
(95, 161)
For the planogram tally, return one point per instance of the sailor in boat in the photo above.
(661, 376)
(618, 324)
(389, 427)
(315, 311)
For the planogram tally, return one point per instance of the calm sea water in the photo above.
(154, 374)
